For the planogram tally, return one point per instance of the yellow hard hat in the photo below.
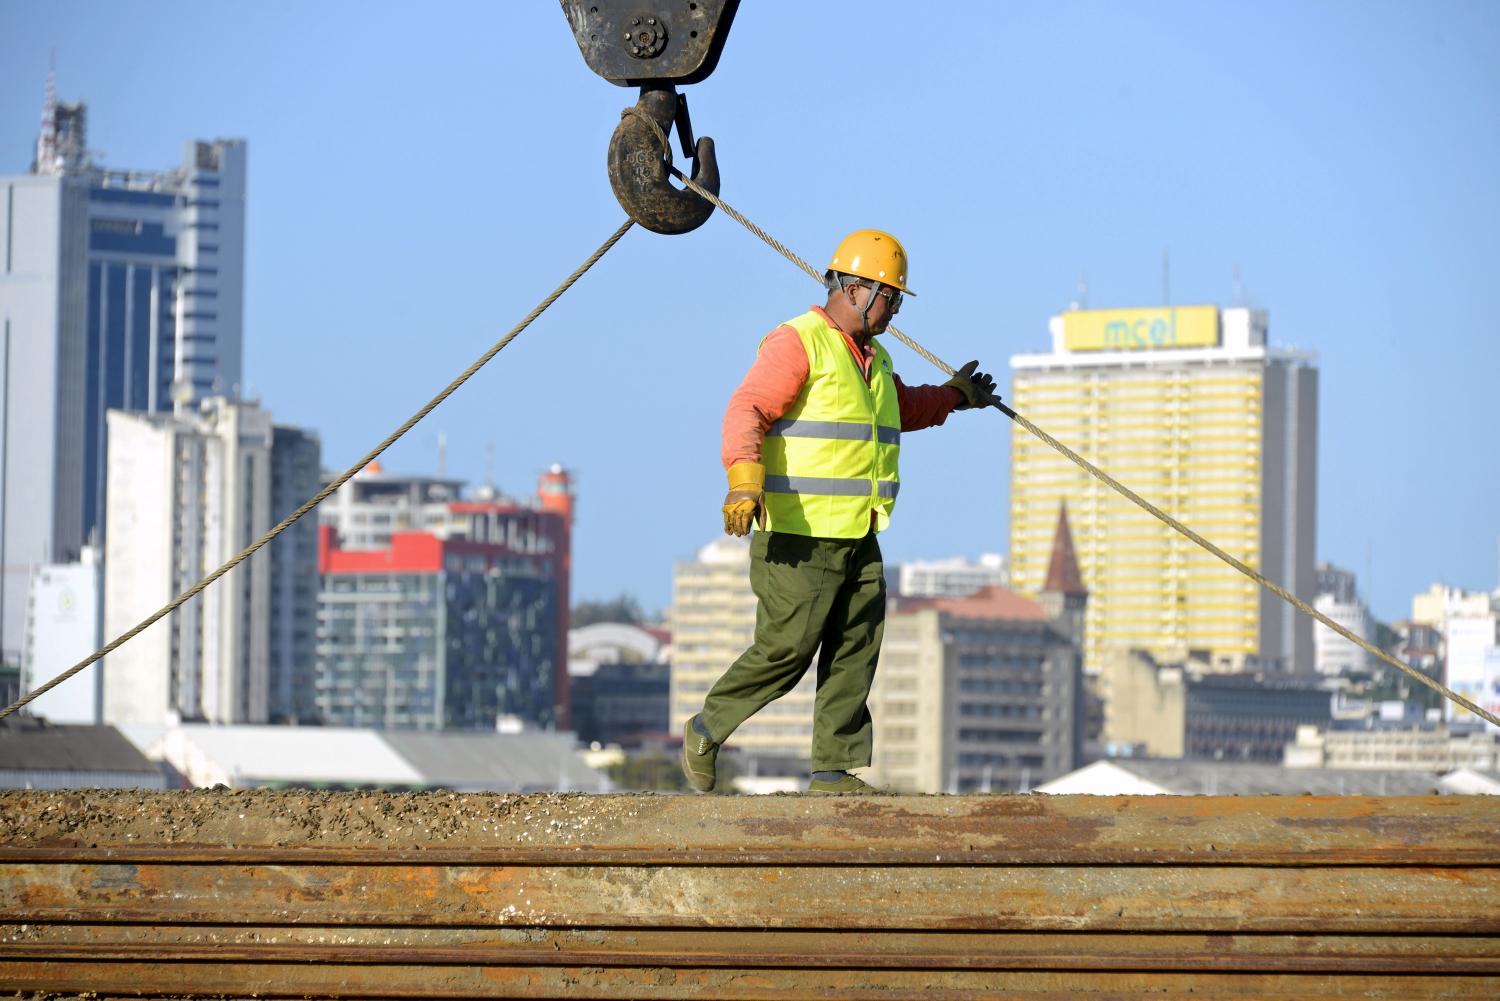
(872, 254)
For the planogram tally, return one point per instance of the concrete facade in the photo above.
(194, 491)
(975, 694)
(295, 477)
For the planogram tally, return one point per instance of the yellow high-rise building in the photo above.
(1191, 408)
(713, 622)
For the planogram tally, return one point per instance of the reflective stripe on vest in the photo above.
(831, 460)
(830, 485)
(839, 430)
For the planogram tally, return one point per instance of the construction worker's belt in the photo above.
(831, 461)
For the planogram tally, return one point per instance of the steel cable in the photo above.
(343, 478)
(1080, 461)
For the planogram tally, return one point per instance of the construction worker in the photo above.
(810, 440)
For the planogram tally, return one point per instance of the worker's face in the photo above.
(885, 302)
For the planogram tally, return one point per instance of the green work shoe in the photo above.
(699, 755)
(852, 784)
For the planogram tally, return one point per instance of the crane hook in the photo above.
(638, 164)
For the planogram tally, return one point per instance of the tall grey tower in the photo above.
(119, 290)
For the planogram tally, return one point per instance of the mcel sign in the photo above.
(1141, 329)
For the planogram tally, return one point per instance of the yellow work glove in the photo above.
(746, 498)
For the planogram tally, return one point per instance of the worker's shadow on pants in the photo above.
(794, 552)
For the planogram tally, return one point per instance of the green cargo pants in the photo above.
(814, 595)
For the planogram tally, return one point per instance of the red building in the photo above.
(454, 625)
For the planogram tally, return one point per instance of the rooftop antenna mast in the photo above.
(46, 142)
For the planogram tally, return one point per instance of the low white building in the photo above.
(1407, 749)
(348, 757)
(952, 578)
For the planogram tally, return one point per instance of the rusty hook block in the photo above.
(638, 167)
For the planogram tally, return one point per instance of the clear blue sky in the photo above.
(420, 175)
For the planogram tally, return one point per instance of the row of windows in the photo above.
(999, 710)
(995, 734)
(996, 686)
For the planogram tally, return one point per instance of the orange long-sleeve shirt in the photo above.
(775, 381)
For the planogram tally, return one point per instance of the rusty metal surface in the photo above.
(754, 948)
(444, 828)
(803, 984)
(306, 894)
(1129, 898)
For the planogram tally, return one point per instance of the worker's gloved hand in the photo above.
(977, 387)
(746, 498)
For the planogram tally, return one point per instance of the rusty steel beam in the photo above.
(752, 948)
(436, 895)
(800, 984)
(1343, 899)
(444, 828)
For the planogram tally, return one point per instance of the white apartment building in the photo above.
(63, 621)
(118, 290)
(191, 491)
(713, 622)
(1338, 598)
(952, 578)
(1472, 641)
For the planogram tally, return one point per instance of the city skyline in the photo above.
(398, 222)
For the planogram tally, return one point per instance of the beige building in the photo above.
(1435, 750)
(1145, 704)
(1191, 407)
(713, 622)
(1439, 603)
(1189, 710)
(982, 693)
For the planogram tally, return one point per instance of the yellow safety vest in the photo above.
(832, 458)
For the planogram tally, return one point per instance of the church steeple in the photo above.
(1064, 595)
(1062, 573)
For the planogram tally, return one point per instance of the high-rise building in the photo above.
(983, 692)
(119, 289)
(713, 622)
(295, 477)
(951, 578)
(191, 491)
(1192, 408)
(1338, 598)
